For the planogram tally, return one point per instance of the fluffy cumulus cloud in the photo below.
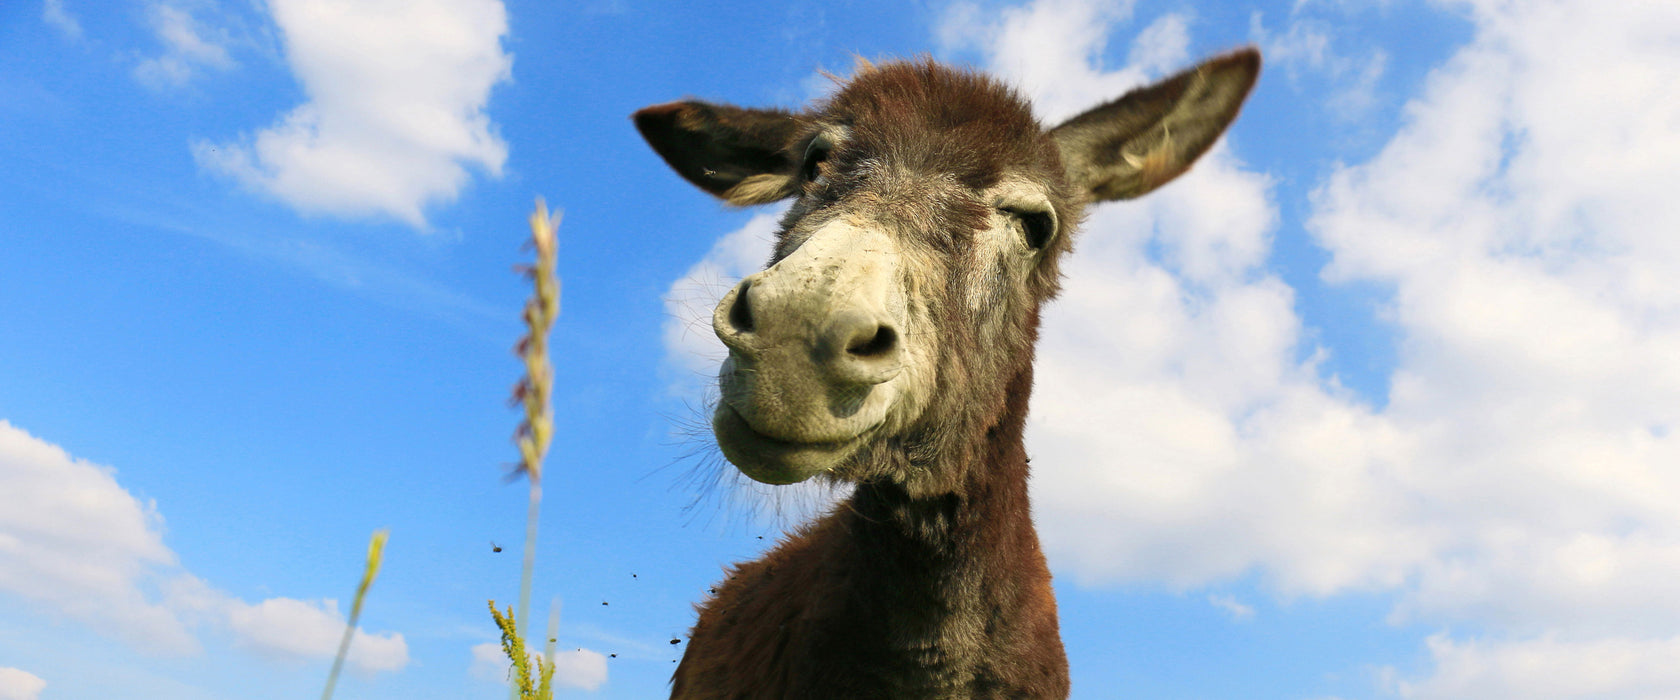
(1548, 668)
(395, 115)
(74, 542)
(1519, 480)
(1051, 49)
(692, 348)
(1176, 435)
(583, 669)
(18, 684)
(1522, 219)
(288, 627)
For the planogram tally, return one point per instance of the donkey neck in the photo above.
(963, 524)
(954, 578)
(992, 489)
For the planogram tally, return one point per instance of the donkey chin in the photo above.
(780, 421)
(774, 460)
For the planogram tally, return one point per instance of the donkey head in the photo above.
(896, 319)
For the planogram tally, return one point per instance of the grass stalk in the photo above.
(534, 393)
(545, 688)
(375, 557)
(531, 511)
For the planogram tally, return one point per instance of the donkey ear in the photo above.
(1153, 134)
(740, 155)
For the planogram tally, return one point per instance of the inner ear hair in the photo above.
(730, 152)
(763, 188)
(1151, 135)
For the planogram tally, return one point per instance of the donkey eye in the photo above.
(1037, 227)
(815, 154)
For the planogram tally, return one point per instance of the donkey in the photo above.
(889, 344)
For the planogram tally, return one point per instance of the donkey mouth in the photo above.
(773, 460)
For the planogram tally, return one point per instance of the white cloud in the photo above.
(1521, 477)
(1051, 49)
(1519, 219)
(190, 45)
(17, 684)
(300, 629)
(1306, 47)
(1168, 382)
(54, 14)
(395, 116)
(1162, 47)
(580, 668)
(1549, 669)
(1238, 611)
(691, 348)
(1176, 436)
(75, 542)
(1304, 44)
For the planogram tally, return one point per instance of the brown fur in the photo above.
(928, 582)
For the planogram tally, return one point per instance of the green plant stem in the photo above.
(376, 556)
(545, 687)
(531, 513)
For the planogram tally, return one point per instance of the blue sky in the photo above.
(1379, 401)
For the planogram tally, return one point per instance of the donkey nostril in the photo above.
(856, 347)
(880, 343)
(740, 312)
